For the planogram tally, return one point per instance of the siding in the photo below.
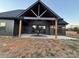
(61, 31)
(9, 27)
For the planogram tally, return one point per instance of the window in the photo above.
(2, 26)
(34, 26)
(38, 28)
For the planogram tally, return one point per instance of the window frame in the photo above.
(4, 27)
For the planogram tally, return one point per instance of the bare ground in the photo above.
(38, 48)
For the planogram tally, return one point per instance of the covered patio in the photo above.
(40, 16)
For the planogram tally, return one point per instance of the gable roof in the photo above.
(39, 1)
(17, 13)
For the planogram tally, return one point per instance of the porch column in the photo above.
(56, 28)
(20, 28)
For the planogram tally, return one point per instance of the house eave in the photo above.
(9, 18)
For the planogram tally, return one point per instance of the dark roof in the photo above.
(62, 22)
(10, 14)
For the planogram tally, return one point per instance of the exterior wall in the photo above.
(61, 30)
(16, 28)
(28, 28)
(52, 30)
(48, 29)
(25, 29)
(9, 27)
(41, 23)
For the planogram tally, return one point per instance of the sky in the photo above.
(67, 9)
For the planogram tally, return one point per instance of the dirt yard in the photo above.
(72, 34)
(38, 48)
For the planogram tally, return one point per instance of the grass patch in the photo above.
(74, 36)
(74, 48)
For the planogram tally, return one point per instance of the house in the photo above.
(37, 18)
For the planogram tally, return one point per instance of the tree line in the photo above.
(76, 29)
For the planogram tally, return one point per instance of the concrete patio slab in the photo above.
(46, 36)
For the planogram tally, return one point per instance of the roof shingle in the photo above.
(10, 14)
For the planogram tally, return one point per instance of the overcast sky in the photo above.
(67, 9)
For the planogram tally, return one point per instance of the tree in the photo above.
(76, 29)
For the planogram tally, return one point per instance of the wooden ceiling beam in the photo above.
(38, 10)
(34, 13)
(39, 18)
(43, 13)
